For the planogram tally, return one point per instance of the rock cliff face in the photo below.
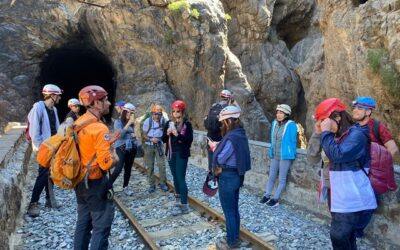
(270, 52)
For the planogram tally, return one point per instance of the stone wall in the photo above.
(14, 157)
(302, 185)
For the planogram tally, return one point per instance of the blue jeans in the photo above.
(345, 227)
(95, 215)
(178, 166)
(281, 166)
(228, 185)
(42, 181)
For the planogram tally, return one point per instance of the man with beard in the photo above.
(378, 132)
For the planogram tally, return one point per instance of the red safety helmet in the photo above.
(327, 107)
(89, 94)
(178, 105)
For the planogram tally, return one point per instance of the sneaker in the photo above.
(273, 203)
(127, 192)
(164, 187)
(223, 245)
(33, 209)
(152, 189)
(176, 210)
(265, 199)
(185, 208)
(55, 205)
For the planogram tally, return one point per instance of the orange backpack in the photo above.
(61, 153)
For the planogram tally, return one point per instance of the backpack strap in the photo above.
(375, 130)
(88, 171)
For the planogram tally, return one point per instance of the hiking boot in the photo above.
(164, 187)
(185, 208)
(273, 203)
(176, 210)
(48, 204)
(127, 192)
(33, 209)
(152, 189)
(264, 199)
(223, 245)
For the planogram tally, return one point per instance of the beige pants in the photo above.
(151, 155)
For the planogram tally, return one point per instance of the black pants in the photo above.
(42, 181)
(126, 159)
(345, 227)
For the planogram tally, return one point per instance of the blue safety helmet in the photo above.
(364, 102)
(120, 104)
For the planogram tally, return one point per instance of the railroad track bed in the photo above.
(284, 226)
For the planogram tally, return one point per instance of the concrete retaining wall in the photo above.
(301, 189)
(14, 158)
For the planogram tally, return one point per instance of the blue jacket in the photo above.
(289, 140)
(39, 124)
(351, 190)
(125, 137)
(241, 148)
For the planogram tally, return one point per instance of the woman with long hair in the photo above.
(178, 135)
(282, 153)
(231, 160)
(352, 199)
(126, 145)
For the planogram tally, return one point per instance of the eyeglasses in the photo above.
(176, 111)
(157, 113)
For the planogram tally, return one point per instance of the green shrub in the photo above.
(169, 37)
(375, 57)
(227, 17)
(178, 5)
(378, 60)
(194, 13)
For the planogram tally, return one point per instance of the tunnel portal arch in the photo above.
(74, 66)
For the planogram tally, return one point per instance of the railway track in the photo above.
(150, 216)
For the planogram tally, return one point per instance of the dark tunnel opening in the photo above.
(73, 67)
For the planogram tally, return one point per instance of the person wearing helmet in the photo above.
(378, 132)
(211, 123)
(43, 123)
(352, 199)
(282, 153)
(74, 105)
(152, 133)
(95, 210)
(178, 136)
(126, 145)
(231, 161)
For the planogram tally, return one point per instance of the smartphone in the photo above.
(172, 125)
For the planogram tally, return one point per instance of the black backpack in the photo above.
(211, 122)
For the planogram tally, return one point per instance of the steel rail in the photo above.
(147, 240)
(255, 241)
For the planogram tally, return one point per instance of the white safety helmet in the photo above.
(129, 107)
(229, 112)
(51, 89)
(73, 102)
(225, 93)
(284, 108)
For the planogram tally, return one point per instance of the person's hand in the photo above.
(115, 157)
(317, 127)
(175, 132)
(326, 125)
(169, 131)
(212, 145)
(114, 136)
(154, 140)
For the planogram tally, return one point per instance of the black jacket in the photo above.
(180, 143)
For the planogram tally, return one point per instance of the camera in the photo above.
(159, 148)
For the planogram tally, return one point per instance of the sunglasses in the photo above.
(157, 113)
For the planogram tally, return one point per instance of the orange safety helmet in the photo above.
(156, 108)
(89, 94)
(327, 107)
(178, 105)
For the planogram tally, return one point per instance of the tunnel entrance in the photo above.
(73, 67)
